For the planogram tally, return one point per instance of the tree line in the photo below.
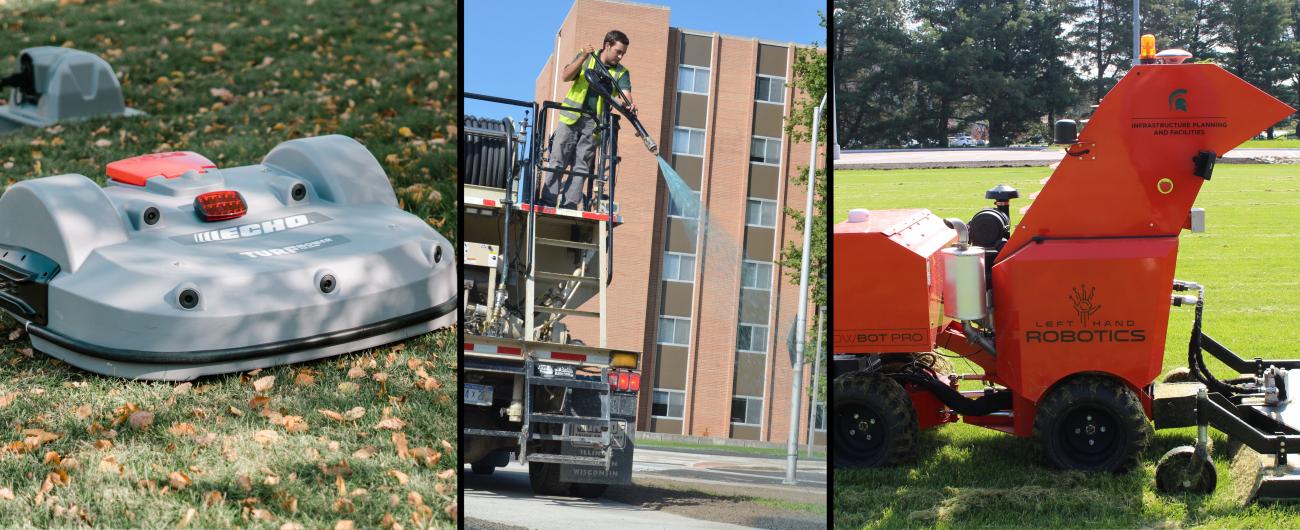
(916, 71)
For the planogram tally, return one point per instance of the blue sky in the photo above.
(508, 41)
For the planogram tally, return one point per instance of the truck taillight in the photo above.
(625, 381)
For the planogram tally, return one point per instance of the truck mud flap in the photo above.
(623, 414)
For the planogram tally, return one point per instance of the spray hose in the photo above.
(597, 83)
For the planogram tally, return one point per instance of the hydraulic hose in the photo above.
(1195, 357)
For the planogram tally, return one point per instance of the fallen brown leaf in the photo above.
(178, 480)
(295, 424)
(355, 413)
(264, 384)
(399, 441)
(6, 494)
(141, 419)
(266, 437)
(401, 477)
(392, 423)
(330, 414)
(183, 429)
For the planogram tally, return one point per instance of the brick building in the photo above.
(711, 313)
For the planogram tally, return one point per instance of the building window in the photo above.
(761, 212)
(770, 89)
(751, 338)
(765, 151)
(819, 417)
(756, 275)
(693, 79)
(684, 207)
(746, 410)
(674, 331)
(688, 141)
(679, 267)
(668, 404)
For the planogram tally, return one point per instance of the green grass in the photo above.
(298, 68)
(762, 451)
(1277, 143)
(968, 476)
(810, 507)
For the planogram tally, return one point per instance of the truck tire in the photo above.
(480, 468)
(1092, 423)
(875, 422)
(544, 478)
(588, 491)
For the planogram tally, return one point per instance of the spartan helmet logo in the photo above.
(1176, 100)
(1083, 304)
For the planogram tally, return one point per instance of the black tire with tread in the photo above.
(1181, 471)
(1064, 417)
(482, 469)
(859, 394)
(587, 491)
(544, 478)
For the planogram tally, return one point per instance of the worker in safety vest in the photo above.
(575, 137)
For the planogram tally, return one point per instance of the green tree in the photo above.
(874, 55)
(1253, 32)
(1102, 38)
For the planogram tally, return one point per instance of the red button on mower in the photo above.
(220, 206)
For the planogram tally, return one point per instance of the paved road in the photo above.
(759, 471)
(1000, 157)
(504, 501)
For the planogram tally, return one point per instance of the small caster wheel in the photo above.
(1182, 471)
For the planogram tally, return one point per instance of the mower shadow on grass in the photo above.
(964, 476)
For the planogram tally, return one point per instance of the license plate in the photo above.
(477, 394)
(555, 370)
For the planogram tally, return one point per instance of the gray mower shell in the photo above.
(127, 280)
(62, 84)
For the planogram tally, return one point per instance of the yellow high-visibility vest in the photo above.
(578, 91)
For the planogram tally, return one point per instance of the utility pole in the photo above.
(801, 322)
(1137, 32)
(817, 370)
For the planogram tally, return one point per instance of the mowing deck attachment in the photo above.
(55, 84)
(1255, 410)
(178, 269)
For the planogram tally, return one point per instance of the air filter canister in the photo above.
(963, 283)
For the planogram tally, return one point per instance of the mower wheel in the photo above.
(1182, 471)
(1092, 423)
(875, 422)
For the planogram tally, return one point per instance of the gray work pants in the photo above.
(573, 145)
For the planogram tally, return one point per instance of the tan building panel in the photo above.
(771, 59)
(764, 181)
(745, 432)
(677, 299)
(758, 243)
(749, 373)
(754, 307)
(768, 119)
(665, 425)
(692, 110)
(696, 50)
(681, 235)
(819, 438)
(670, 368)
(689, 168)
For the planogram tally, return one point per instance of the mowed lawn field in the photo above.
(365, 440)
(963, 476)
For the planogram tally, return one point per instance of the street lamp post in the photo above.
(800, 323)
